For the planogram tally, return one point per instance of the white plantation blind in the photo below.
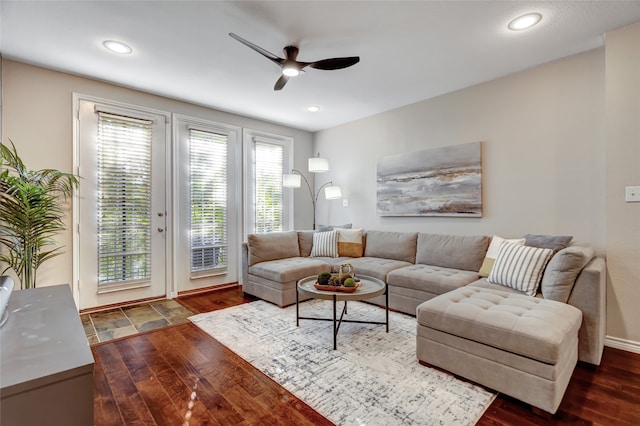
(124, 199)
(269, 167)
(208, 200)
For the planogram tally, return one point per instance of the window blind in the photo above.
(269, 167)
(208, 200)
(124, 199)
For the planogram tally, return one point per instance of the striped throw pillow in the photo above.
(325, 244)
(520, 267)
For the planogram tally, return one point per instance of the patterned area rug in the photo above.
(373, 378)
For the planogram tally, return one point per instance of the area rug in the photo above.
(373, 378)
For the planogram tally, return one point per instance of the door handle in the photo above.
(160, 229)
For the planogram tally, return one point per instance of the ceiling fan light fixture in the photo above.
(290, 71)
(117, 47)
(525, 21)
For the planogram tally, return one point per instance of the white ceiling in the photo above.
(409, 51)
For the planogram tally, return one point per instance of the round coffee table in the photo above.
(369, 287)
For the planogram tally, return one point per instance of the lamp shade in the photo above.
(332, 192)
(291, 180)
(318, 165)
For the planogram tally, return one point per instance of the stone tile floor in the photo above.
(120, 322)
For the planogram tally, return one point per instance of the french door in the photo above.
(122, 215)
(206, 209)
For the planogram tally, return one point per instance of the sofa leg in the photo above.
(541, 413)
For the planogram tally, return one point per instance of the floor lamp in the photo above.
(316, 165)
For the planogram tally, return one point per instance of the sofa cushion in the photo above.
(290, 269)
(562, 271)
(272, 246)
(376, 267)
(452, 251)
(553, 242)
(532, 327)
(520, 267)
(431, 279)
(305, 241)
(350, 242)
(492, 253)
(325, 244)
(391, 245)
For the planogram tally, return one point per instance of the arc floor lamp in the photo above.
(316, 165)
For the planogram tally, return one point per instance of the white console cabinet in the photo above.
(46, 365)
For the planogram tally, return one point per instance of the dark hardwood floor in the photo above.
(149, 379)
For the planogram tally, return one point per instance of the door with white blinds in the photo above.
(206, 212)
(122, 253)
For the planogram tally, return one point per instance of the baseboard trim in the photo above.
(623, 344)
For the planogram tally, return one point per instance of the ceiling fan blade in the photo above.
(281, 82)
(335, 63)
(258, 49)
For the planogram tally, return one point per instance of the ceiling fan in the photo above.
(291, 67)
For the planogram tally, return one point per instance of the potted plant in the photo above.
(31, 213)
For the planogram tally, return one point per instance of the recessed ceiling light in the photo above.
(117, 47)
(313, 108)
(525, 21)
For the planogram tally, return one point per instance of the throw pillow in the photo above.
(520, 267)
(325, 244)
(325, 228)
(562, 271)
(350, 242)
(553, 242)
(492, 253)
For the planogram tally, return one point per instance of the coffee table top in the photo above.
(369, 287)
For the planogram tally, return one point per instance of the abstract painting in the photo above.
(444, 181)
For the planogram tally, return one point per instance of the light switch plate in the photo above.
(345, 203)
(632, 194)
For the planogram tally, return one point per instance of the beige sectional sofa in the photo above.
(436, 278)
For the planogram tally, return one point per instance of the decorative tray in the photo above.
(337, 288)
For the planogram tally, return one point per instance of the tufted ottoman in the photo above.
(522, 346)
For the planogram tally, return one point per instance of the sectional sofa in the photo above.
(468, 321)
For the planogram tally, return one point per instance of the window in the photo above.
(269, 216)
(124, 199)
(267, 207)
(208, 200)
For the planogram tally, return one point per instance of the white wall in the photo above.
(560, 143)
(37, 117)
(623, 169)
(542, 153)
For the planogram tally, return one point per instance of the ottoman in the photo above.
(522, 346)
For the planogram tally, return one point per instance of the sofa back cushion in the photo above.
(272, 246)
(452, 251)
(391, 245)
(562, 271)
(305, 241)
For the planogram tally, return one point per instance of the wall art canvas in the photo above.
(443, 181)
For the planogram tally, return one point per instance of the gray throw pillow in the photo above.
(553, 242)
(562, 271)
(325, 228)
